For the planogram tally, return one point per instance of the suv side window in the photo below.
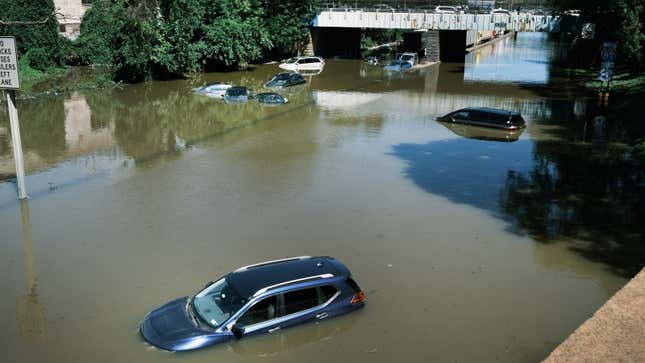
(325, 293)
(499, 119)
(478, 116)
(299, 300)
(263, 310)
(462, 115)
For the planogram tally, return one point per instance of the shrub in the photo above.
(43, 39)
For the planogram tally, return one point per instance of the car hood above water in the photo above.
(167, 326)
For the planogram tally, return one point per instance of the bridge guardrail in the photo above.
(365, 18)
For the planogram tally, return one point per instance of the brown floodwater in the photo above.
(472, 245)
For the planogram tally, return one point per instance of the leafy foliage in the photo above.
(144, 39)
(287, 25)
(40, 43)
(621, 20)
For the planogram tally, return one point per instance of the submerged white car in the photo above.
(412, 58)
(214, 90)
(303, 64)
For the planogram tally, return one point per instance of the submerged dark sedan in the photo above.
(285, 79)
(236, 94)
(486, 117)
(270, 98)
(255, 299)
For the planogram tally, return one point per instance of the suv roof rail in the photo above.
(244, 268)
(265, 289)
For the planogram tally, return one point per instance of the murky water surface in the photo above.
(473, 245)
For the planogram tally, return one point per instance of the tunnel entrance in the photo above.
(452, 45)
(336, 42)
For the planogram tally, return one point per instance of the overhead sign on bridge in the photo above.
(8, 64)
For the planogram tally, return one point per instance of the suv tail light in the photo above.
(358, 297)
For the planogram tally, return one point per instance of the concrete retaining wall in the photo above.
(615, 333)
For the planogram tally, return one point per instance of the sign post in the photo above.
(10, 82)
(607, 57)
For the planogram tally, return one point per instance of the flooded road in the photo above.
(472, 246)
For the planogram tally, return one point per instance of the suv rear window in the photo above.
(350, 281)
(517, 120)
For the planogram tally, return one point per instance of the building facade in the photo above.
(69, 14)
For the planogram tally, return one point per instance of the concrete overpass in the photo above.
(436, 37)
(412, 19)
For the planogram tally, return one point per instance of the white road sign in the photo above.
(8, 64)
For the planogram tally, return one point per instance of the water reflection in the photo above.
(580, 180)
(29, 311)
(465, 171)
(81, 134)
(587, 191)
(273, 345)
(483, 133)
(521, 60)
(355, 160)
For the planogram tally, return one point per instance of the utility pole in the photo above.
(10, 82)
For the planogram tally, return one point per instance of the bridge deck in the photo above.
(359, 18)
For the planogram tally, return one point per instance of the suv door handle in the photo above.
(321, 315)
(273, 330)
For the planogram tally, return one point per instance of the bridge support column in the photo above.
(431, 43)
(426, 44)
(308, 48)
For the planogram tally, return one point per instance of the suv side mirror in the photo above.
(238, 331)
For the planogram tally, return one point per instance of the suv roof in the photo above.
(491, 110)
(250, 279)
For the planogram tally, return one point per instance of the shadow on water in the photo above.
(581, 180)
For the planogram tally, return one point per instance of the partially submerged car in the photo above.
(236, 94)
(255, 299)
(500, 11)
(398, 66)
(270, 98)
(214, 90)
(285, 79)
(303, 63)
(372, 60)
(486, 117)
(412, 58)
(483, 133)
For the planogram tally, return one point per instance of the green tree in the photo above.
(144, 39)
(98, 31)
(287, 23)
(620, 20)
(38, 41)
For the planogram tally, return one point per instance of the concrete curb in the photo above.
(615, 333)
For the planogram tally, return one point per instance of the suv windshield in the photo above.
(217, 302)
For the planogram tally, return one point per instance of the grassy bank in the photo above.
(622, 83)
(34, 82)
